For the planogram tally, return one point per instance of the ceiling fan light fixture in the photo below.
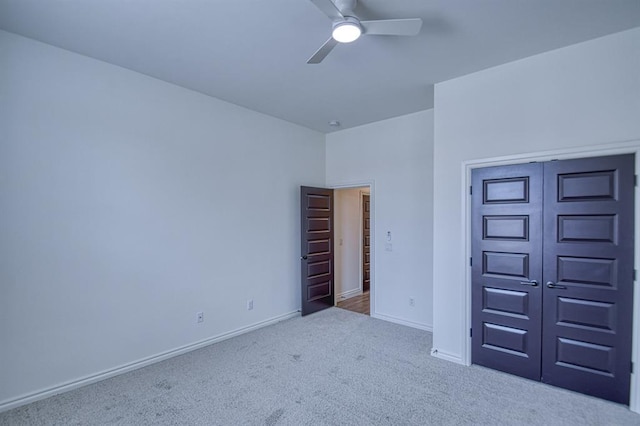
(346, 31)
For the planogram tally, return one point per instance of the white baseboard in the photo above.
(348, 294)
(401, 321)
(447, 356)
(87, 380)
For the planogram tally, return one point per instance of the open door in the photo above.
(316, 255)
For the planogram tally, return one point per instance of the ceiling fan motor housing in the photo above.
(347, 30)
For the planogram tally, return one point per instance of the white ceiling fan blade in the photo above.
(399, 27)
(329, 9)
(323, 51)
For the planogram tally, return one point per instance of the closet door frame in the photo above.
(631, 147)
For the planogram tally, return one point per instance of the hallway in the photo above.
(359, 304)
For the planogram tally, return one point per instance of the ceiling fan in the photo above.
(347, 27)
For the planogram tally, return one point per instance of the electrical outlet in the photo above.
(200, 316)
(412, 302)
(249, 304)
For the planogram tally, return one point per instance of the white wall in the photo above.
(127, 205)
(576, 97)
(397, 156)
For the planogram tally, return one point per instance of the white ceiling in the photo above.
(253, 52)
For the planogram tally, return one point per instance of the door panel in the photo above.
(588, 258)
(316, 212)
(507, 256)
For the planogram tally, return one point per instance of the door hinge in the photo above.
(471, 332)
(635, 274)
(471, 261)
(631, 367)
(470, 190)
(635, 180)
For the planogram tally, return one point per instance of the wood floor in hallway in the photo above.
(359, 304)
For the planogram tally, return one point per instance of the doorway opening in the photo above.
(352, 257)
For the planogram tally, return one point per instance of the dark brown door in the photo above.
(564, 230)
(366, 243)
(316, 212)
(507, 268)
(588, 275)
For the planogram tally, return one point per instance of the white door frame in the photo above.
(371, 185)
(630, 147)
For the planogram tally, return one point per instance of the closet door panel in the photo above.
(506, 269)
(588, 275)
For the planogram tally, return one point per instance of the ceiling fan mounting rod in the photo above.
(346, 7)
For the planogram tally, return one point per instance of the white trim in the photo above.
(634, 397)
(87, 380)
(446, 356)
(625, 147)
(349, 294)
(372, 223)
(401, 321)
